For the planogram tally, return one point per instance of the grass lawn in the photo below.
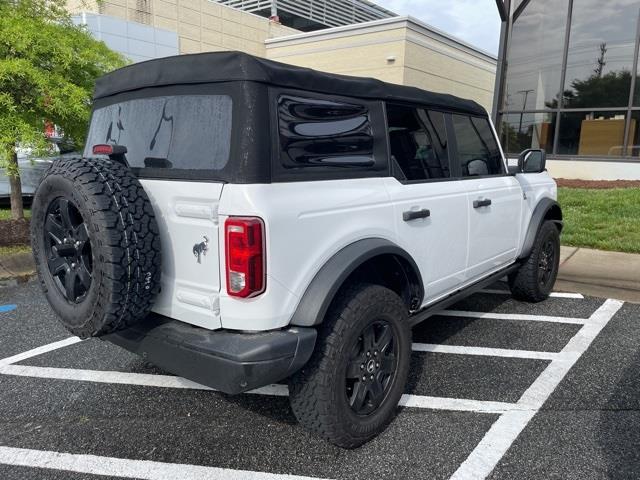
(5, 213)
(606, 219)
(13, 249)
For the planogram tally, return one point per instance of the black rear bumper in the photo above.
(231, 362)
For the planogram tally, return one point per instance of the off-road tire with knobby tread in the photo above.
(524, 282)
(124, 240)
(317, 391)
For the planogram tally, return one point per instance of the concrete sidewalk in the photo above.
(599, 273)
(16, 268)
(590, 272)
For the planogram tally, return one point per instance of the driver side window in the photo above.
(478, 151)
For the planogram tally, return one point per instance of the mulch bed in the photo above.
(599, 184)
(14, 232)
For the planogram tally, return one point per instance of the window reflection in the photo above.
(591, 133)
(528, 130)
(535, 55)
(633, 145)
(600, 55)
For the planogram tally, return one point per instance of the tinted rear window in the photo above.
(182, 132)
(322, 133)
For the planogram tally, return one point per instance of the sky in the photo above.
(475, 21)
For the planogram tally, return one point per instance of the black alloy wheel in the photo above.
(546, 263)
(68, 249)
(371, 370)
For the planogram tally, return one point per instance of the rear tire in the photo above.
(349, 390)
(534, 280)
(96, 245)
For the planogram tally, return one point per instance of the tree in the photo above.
(48, 67)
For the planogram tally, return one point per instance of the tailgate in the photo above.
(187, 215)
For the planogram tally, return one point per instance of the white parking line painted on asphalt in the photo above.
(456, 404)
(497, 291)
(484, 351)
(168, 381)
(125, 468)
(511, 316)
(39, 350)
(508, 427)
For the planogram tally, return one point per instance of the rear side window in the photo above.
(478, 151)
(181, 132)
(317, 133)
(418, 143)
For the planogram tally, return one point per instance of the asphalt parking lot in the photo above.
(498, 389)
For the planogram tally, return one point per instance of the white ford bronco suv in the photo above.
(241, 222)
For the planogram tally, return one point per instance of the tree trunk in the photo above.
(17, 211)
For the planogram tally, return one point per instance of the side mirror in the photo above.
(532, 160)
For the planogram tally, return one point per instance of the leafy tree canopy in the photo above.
(48, 67)
(608, 90)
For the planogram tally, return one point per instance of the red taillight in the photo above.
(103, 149)
(245, 257)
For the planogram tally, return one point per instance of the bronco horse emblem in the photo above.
(201, 248)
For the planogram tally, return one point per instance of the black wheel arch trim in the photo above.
(321, 291)
(540, 214)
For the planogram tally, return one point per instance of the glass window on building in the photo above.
(535, 56)
(600, 53)
(633, 144)
(597, 134)
(528, 130)
(570, 92)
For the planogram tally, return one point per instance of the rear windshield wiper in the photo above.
(157, 162)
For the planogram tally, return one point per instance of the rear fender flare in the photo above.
(319, 294)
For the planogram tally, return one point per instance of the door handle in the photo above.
(415, 214)
(483, 202)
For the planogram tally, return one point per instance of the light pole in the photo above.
(524, 103)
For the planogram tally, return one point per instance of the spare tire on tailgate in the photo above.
(96, 245)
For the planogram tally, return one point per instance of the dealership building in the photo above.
(567, 82)
(352, 37)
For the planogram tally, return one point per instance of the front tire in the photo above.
(349, 391)
(534, 280)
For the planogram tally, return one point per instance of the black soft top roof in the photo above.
(212, 67)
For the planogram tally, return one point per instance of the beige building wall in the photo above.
(202, 25)
(399, 50)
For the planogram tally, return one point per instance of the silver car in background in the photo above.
(32, 168)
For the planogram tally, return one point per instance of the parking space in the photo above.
(497, 389)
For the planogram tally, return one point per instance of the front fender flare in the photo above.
(318, 296)
(537, 219)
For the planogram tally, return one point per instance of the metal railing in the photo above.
(332, 13)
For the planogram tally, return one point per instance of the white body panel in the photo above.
(535, 187)
(495, 230)
(307, 223)
(186, 212)
(439, 243)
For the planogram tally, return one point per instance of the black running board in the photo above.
(455, 297)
